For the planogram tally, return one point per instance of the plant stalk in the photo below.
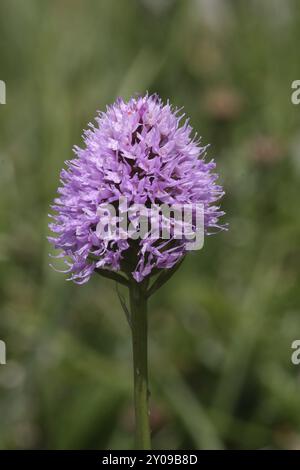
(138, 307)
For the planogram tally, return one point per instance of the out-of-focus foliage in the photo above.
(221, 330)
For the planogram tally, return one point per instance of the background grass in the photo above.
(221, 330)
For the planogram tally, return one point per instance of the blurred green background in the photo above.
(221, 330)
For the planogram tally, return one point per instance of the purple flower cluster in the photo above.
(138, 150)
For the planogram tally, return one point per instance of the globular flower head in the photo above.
(142, 151)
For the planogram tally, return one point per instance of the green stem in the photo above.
(138, 307)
